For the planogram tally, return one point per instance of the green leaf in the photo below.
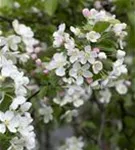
(5, 3)
(5, 103)
(130, 122)
(51, 6)
(89, 124)
(92, 147)
(101, 26)
(4, 141)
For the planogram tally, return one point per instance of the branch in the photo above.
(33, 95)
(103, 120)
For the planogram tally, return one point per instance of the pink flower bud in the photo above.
(34, 56)
(97, 50)
(89, 80)
(38, 62)
(128, 83)
(46, 71)
(86, 13)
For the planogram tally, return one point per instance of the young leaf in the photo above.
(101, 26)
(51, 6)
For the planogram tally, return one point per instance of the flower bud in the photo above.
(102, 55)
(46, 71)
(38, 62)
(89, 80)
(97, 50)
(86, 12)
(34, 56)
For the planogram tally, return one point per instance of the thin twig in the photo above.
(33, 95)
(103, 120)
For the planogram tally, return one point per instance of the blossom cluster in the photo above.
(73, 94)
(16, 121)
(72, 143)
(91, 55)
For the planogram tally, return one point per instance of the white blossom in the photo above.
(22, 30)
(88, 55)
(58, 63)
(74, 55)
(118, 28)
(79, 72)
(9, 120)
(97, 67)
(93, 36)
(59, 36)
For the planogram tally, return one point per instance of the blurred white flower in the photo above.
(119, 68)
(121, 88)
(46, 112)
(13, 41)
(72, 143)
(69, 115)
(120, 54)
(118, 28)
(22, 30)
(105, 96)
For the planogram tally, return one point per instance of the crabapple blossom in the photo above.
(9, 120)
(74, 55)
(78, 72)
(22, 30)
(88, 55)
(58, 63)
(93, 36)
(97, 67)
(118, 28)
(87, 60)
(59, 36)
(82, 59)
(16, 118)
(73, 94)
